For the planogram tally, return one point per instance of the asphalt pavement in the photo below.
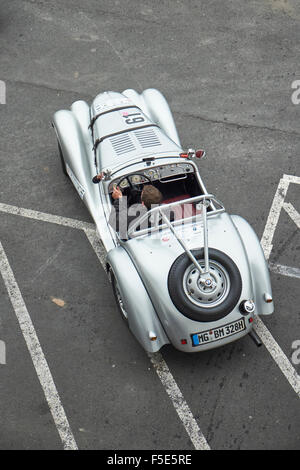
(226, 69)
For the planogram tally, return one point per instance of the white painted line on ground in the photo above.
(54, 219)
(278, 355)
(292, 179)
(272, 346)
(179, 402)
(97, 246)
(162, 370)
(36, 353)
(291, 211)
(284, 270)
(157, 360)
(273, 217)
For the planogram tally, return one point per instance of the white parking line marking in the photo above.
(266, 337)
(179, 402)
(278, 355)
(273, 217)
(291, 211)
(162, 371)
(54, 219)
(98, 248)
(272, 346)
(292, 179)
(161, 367)
(36, 353)
(284, 270)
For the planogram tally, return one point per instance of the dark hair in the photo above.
(151, 195)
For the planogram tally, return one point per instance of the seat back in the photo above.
(183, 210)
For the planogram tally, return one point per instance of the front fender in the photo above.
(257, 264)
(142, 317)
(77, 158)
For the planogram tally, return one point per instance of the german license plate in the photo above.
(215, 334)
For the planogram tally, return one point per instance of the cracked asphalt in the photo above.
(226, 69)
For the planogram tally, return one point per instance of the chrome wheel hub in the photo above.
(209, 289)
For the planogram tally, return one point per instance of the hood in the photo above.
(123, 133)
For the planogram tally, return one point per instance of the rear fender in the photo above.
(258, 266)
(142, 317)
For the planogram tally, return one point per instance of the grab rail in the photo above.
(155, 212)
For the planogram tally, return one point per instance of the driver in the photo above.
(150, 195)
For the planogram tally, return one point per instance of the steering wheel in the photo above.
(134, 187)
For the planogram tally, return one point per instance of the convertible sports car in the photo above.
(186, 273)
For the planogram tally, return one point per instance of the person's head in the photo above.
(151, 195)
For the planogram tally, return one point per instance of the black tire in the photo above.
(187, 303)
(118, 297)
(63, 164)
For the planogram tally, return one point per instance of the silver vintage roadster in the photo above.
(185, 272)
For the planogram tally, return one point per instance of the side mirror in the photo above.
(96, 179)
(200, 154)
(105, 174)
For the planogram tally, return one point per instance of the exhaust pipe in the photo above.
(254, 336)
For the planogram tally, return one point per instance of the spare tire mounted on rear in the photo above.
(205, 301)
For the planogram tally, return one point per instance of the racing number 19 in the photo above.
(133, 120)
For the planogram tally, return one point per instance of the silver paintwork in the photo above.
(141, 265)
(181, 241)
(268, 297)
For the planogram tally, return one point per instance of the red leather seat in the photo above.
(183, 210)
